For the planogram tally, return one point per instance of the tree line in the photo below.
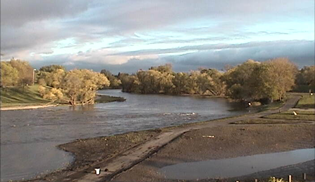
(16, 73)
(76, 86)
(249, 81)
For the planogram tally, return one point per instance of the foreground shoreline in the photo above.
(146, 143)
(229, 141)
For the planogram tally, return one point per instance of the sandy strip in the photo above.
(27, 107)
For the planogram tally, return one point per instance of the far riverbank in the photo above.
(25, 106)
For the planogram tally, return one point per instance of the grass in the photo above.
(301, 115)
(274, 105)
(307, 101)
(29, 96)
(106, 98)
(16, 96)
(271, 106)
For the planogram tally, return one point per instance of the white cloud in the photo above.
(186, 32)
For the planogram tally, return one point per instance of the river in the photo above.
(29, 137)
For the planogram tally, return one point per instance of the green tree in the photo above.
(306, 77)
(52, 79)
(25, 72)
(114, 81)
(310, 77)
(129, 83)
(282, 73)
(149, 81)
(9, 75)
(53, 94)
(192, 85)
(240, 81)
(215, 85)
(180, 83)
(260, 81)
(51, 68)
(80, 86)
(166, 83)
(167, 68)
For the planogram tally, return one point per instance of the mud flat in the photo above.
(140, 156)
(229, 141)
(88, 152)
(221, 142)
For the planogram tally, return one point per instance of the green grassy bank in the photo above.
(307, 101)
(29, 96)
(17, 96)
(288, 115)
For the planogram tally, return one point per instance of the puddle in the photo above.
(14, 167)
(233, 167)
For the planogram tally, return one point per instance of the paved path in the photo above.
(137, 154)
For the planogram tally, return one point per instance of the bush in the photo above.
(41, 90)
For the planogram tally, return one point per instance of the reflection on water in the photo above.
(32, 160)
(28, 132)
(82, 108)
(234, 167)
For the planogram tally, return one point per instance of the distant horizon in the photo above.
(133, 35)
(115, 69)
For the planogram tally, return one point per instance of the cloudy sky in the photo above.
(125, 35)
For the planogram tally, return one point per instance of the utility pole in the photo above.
(34, 76)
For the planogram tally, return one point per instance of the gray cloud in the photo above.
(19, 12)
(26, 38)
(129, 16)
(203, 47)
(35, 25)
(121, 17)
(300, 52)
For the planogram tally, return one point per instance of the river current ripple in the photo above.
(29, 137)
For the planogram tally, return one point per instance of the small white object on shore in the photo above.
(294, 113)
(97, 171)
(208, 136)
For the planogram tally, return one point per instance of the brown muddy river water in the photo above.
(29, 137)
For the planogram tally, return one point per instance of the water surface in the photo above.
(29, 137)
(234, 167)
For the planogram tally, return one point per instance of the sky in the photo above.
(127, 35)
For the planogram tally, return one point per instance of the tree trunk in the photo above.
(72, 101)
